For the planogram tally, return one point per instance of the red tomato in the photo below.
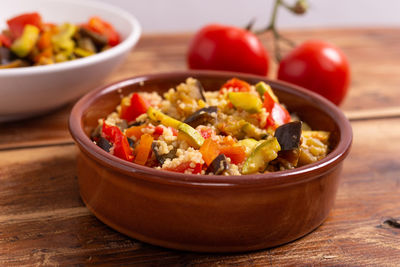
(319, 67)
(220, 47)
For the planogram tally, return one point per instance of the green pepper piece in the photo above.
(263, 153)
(246, 101)
(24, 44)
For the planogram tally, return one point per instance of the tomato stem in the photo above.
(299, 8)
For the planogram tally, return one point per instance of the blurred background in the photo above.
(159, 16)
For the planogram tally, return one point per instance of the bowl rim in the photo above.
(130, 40)
(273, 179)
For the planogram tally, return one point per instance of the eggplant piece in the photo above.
(201, 91)
(218, 165)
(131, 142)
(135, 123)
(87, 44)
(201, 117)
(15, 64)
(96, 132)
(5, 55)
(104, 144)
(288, 135)
(162, 158)
(97, 39)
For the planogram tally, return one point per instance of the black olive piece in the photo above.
(162, 158)
(201, 91)
(104, 144)
(288, 135)
(218, 165)
(201, 117)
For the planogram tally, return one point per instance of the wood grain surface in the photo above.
(43, 222)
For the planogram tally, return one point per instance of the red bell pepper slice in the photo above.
(138, 106)
(186, 166)
(17, 24)
(237, 85)
(5, 41)
(237, 154)
(102, 27)
(120, 143)
(278, 115)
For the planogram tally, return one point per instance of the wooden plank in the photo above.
(373, 54)
(44, 222)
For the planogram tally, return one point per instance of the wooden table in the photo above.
(44, 222)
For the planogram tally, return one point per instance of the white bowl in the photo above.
(29, 91)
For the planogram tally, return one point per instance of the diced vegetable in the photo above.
(160, 117)
(209, 150)
(262, 154)
(251, 131)
(104, 144)
(5, 41)
(162, 157)
(187, 166)
(44, 41)
(62, 41)
(120, 143)
(143, 149)
(263, 88)
(135, 107)
(201, 117)
(190, 135)
(236, 85)
(278, 115)
(236, 153)
(24, 44)
(96, 38)
(135, 131)
(218, 165)
(18, 23)
(249, 145)
(288, 135)
(200, 91)
(102, 27)
(245, 101)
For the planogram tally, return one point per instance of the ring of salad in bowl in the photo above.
(240, 128)
(30, 41)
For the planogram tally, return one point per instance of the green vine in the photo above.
(299, 7)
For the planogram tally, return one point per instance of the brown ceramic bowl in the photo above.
(208, 213)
